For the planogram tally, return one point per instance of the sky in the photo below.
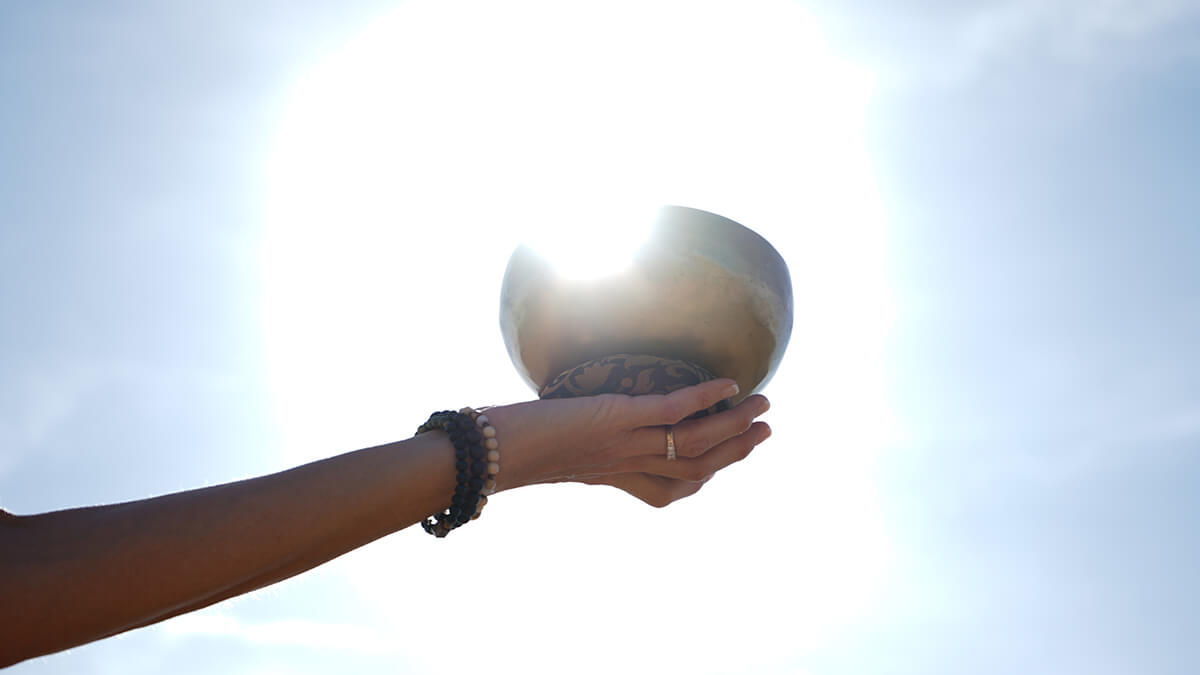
(221, 228)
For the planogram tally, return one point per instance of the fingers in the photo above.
(661, 409)
(687, 469)
(695, 437)
(704, 465)
(659, 482)
(644, 449)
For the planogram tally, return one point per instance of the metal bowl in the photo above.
(701, 288)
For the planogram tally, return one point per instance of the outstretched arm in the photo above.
(74, 576)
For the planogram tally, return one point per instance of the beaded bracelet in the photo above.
(476, 463)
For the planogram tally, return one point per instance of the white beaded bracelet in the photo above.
(492, 444)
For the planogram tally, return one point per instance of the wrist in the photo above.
(525, 444)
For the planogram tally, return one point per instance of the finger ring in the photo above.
(670, 444)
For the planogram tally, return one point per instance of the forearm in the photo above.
(74, 576)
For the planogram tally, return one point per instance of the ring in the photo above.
(670, 444)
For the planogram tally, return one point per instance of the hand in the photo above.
(621, 440)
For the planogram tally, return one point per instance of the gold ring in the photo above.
(670, 444)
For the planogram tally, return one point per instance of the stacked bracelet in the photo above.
(476, 463)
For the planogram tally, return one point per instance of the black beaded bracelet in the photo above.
(476, 463)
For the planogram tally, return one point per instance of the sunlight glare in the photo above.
(591, 242)
(409, 165)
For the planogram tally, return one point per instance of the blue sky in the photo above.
(988, 420)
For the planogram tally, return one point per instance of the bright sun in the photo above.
(411, 162)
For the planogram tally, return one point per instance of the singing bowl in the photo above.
(701, 289)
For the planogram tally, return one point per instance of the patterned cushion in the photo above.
(633, 374)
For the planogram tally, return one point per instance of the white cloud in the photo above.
(951, 46)
(297, 633)
(1122, 439)
(39, 401)
(1075, 30)
(36, 402)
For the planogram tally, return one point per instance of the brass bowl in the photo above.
(701, 289)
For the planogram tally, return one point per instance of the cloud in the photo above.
(1072, 30)
(295, 633)
(952, 43)
(1123, 440)
(43, 401)
(36, 402)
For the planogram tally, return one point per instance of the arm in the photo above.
(74, 576)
